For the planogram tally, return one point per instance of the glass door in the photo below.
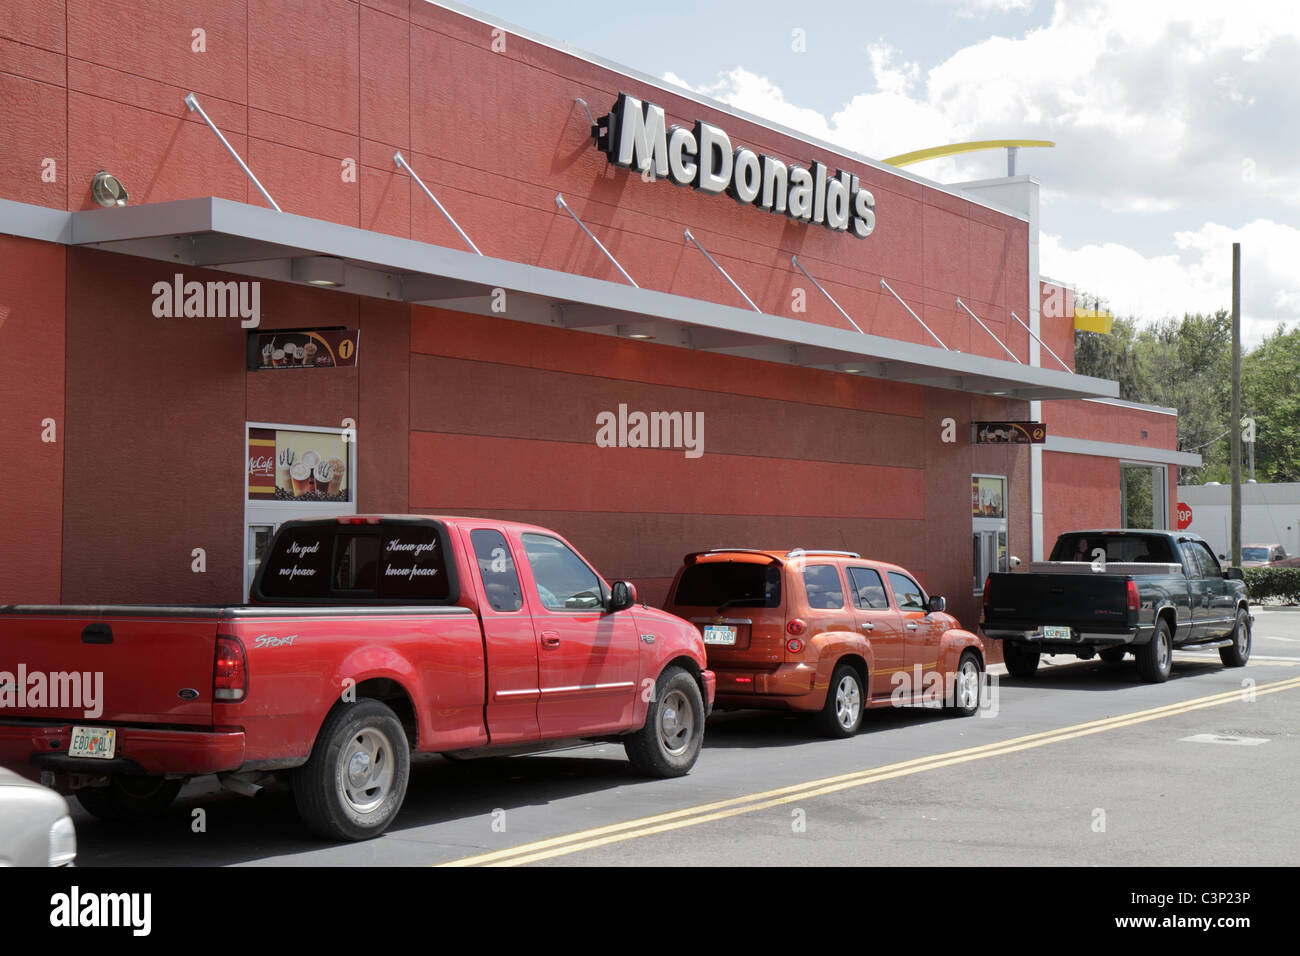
(294, 471)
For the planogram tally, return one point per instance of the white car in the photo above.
(35, 828)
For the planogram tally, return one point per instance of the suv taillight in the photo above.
(796, 626)
(229, 672)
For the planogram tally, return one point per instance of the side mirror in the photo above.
(1234, 574)
(937, 603)
(1014, 561)
(622, 596)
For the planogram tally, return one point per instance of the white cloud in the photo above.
(1150, 104)
(975, 8)
(1196, 278)
(1155, 107)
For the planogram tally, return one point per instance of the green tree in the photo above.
(1269, 376)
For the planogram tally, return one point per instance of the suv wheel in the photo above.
(966, 685)
(842, 714)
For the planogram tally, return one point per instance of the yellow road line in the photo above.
(705, 813)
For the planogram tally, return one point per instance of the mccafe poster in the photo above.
(303, 348)
(297, 466)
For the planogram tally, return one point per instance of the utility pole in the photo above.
(1236, 406)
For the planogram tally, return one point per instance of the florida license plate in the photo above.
(1056, 633)
(719, 634)
(97, 742)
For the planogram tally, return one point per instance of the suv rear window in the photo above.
(730, 583)
(389, 563)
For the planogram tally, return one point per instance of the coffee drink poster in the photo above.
(297, 466)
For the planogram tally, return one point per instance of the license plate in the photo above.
(1056, 633)
(97, 742)
(719, 634)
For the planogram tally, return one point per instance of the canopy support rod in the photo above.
(697, 245)
(559, 201)
(1043, 344)
(795, 260)
(401, 163)
(885, 285)
(192, 102)
(989, 331)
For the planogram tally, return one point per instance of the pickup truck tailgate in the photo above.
(1032, 600)
(108, 664)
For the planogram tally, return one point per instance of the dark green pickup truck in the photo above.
(1115, 592)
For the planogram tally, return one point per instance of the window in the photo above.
(719, 584)
(907, 592)
(1207, 566)
(356, 567)
(564, 582)
(868, 589)
(497, 569)
(1143, 495)
(398, 562)
(989, 506)
(822, 584)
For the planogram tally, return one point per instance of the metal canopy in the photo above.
(250, 240)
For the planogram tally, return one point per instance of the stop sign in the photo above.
(1184, 516)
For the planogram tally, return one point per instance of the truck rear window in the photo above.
(730, 583)
(393, 562)
(1138, 548)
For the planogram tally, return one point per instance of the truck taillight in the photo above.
(988, 591)
(1134, 602)
(230, 672)
(358, 519)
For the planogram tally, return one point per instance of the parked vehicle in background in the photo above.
(825, 632)
(35, 827)
(1261, 555)
(1115, 592)
(370, 637)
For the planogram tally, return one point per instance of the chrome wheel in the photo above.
(1164, 654)
(848, 701)
(676, 723)
(366, 770)
(968, 685)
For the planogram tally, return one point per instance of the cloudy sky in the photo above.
(1177, 122)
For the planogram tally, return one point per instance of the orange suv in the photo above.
(826, 632)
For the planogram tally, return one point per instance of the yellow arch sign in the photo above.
(952, 149)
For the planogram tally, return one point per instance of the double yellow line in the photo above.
(706, 813)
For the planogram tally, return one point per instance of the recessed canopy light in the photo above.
(319, 270)
(107, 190)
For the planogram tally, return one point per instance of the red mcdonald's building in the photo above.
(579, 297)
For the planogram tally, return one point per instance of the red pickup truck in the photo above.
(367, 638)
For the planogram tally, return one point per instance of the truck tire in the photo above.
(841, 716)
(1112, 655)
(967, 685)
(1155, 658)
(355, 780)
(1239, 652)
(668, 744)
(130, 799)
(1020, 661)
